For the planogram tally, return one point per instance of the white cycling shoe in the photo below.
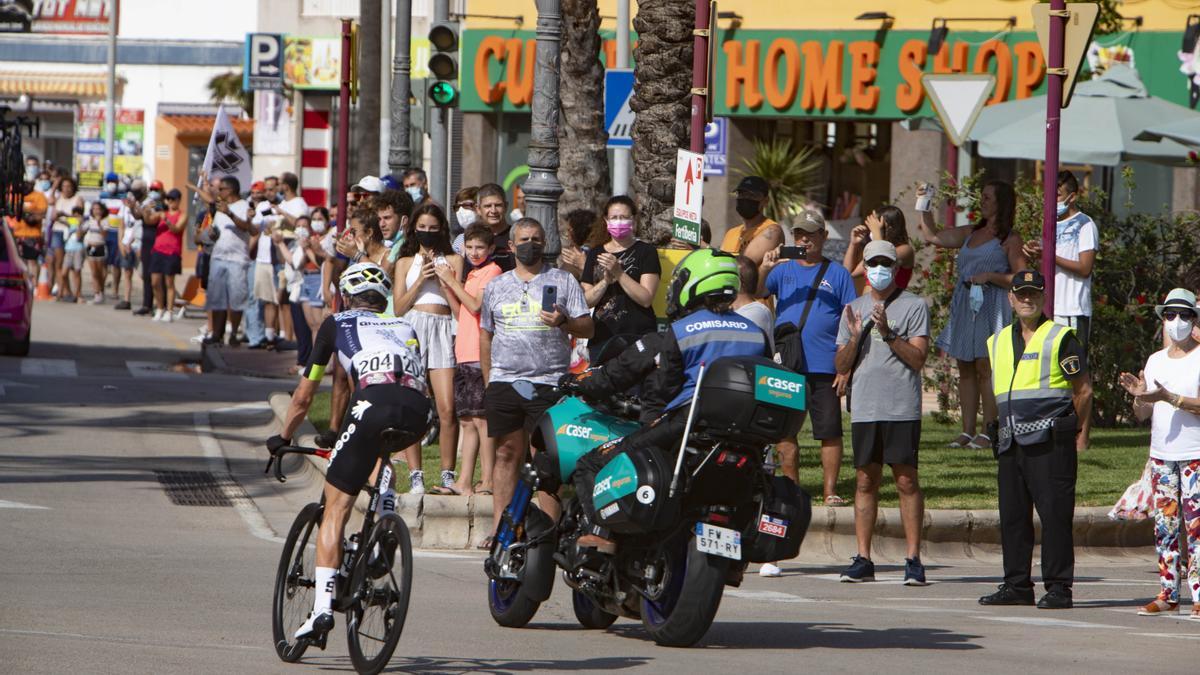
(316, 626)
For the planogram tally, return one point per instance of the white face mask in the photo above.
(302, 233)
(318, 226)
(1062, 209)
(415, 192)
(1178, 329)
(466, 217)
(880, 276)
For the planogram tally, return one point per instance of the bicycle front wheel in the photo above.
(295, 583)
(380, 588)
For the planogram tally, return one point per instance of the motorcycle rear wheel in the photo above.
(513, 602)
(687, 605)
(588, 613)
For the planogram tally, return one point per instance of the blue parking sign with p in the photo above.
(618, 116)
(264, 61)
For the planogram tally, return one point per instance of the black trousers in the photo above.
(147, 289)
(664, 433)
(1042, 477)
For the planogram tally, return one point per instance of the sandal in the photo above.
(480, 490)
(1161, 607)
(444, 491)
(975, 445)
(959, 443)
(834, 500)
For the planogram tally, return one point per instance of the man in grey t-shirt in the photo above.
(883, 340)
(524, 350)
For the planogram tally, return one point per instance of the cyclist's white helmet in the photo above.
(363, 277)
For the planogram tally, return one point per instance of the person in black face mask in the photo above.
(757, 234)
(421, 295)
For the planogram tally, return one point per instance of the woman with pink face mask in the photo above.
(620, 280)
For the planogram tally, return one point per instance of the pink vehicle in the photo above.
(16, 298)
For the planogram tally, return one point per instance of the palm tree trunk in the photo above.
(662, 107)
(365, 153)
(583, 168)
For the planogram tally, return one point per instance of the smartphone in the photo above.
(793, 252)
(549, 298)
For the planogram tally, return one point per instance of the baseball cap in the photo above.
(370, 184)
(174, 194)
(156, 185)
(111, 177)
(258, 186)
(755, 184)
(809, 221)
(390, 183)
(1031, 280)
(879, 249)
(1179, 298)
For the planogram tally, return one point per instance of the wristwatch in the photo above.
(890, 337)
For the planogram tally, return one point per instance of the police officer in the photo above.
(704, 328)
(1043, 391)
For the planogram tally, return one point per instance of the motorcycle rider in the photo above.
(704, 328)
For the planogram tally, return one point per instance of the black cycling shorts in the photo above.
(371, 411)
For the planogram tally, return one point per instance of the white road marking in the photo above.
(1169, 635)
(151, 369)
(122, 640)
(769, 596)
(10, 383)
(244, 408)
(446, 556)
(49, 367)
(216, 461)
(1057, 623)
(5, 504)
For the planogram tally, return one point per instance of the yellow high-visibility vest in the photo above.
(1034, 393)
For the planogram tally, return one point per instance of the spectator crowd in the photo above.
(469, 277)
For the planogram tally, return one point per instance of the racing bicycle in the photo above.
(373, 584)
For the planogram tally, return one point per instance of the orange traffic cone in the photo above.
(43, 285)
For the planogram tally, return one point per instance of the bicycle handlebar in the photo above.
(277, 456)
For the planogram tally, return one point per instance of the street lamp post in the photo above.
(1054, 97)
(400, 152)
(542, 188)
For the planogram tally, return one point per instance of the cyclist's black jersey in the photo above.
(372, 348)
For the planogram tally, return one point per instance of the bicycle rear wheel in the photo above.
(295, 583)
(380, 588)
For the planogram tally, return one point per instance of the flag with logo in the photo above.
(226, 155)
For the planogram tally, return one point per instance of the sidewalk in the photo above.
(461, 522)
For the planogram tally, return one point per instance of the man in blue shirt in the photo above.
(792, 282)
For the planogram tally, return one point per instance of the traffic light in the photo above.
(443, 63)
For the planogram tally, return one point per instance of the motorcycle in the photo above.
(685, 526)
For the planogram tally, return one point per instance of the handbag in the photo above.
(789, 345)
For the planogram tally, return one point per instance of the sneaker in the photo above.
(98, 299)
(448, 478)
(316, 626)
(234, 341)
(1056, 598)
(417, 480)
(212, 341)
(1007, 595)
(122, 305)
(258, 345)
(861, 569)
(142, 311)
(914, 572)
(158, 314)
(770, 570)
(167, 317)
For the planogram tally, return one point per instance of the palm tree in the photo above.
(228, 87)
(583, 158)
(794, 175)
(661, 105)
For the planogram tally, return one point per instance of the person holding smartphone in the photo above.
(420, 296)
(524, 350)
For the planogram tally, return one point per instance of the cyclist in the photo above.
(379, 354)
(703, 328)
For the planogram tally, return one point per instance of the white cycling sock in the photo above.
(387, 501)
(270, 333)
(324, 595)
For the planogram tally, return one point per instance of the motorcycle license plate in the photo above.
(720, 541)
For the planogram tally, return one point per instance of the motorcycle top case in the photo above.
(750, 400)
(630, 496)
(778, 527)
(571, 428)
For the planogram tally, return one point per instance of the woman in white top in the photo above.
(1169, 390)
(421, 297)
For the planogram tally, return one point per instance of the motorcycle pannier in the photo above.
(750, 400)
(778, 528)
(630, 496)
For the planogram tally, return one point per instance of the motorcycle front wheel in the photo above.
(513, 602)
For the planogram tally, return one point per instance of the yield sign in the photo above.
(1080, 25)
(957, 98)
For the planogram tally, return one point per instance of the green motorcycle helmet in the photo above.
(703, 273)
